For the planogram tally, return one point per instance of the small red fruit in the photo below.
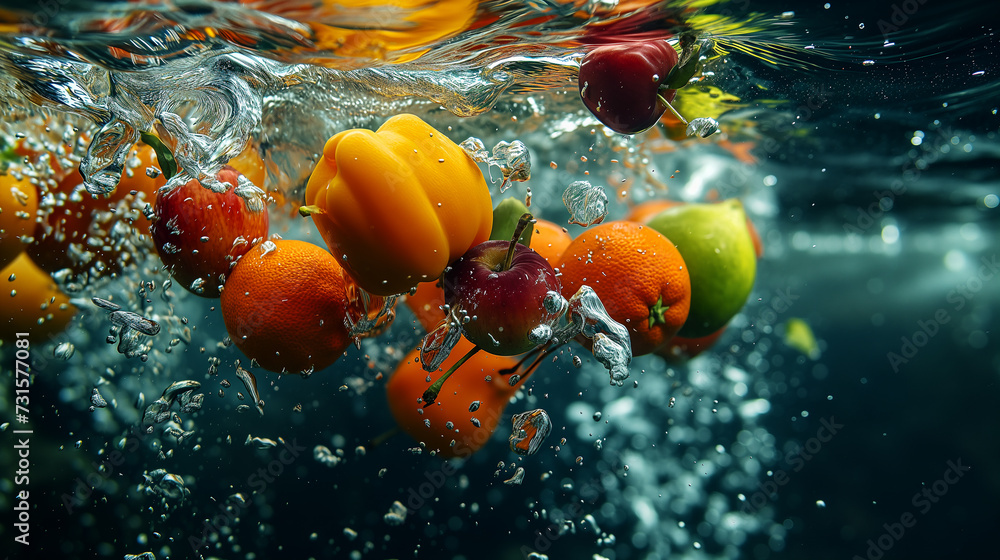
(503, 295)
(199, 234)
(620, 83)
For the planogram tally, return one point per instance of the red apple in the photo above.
(199, 234)
(620, 83)
(502, 294)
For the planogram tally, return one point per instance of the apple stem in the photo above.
(671, 107)
(522, 223)
(430, 395)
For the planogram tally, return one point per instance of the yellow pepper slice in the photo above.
(397, 205)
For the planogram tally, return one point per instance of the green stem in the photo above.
(430, 395)
(671, 107)
(522, 223)
(377, 440)
(163, 154)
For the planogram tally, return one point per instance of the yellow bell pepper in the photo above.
(397, 205)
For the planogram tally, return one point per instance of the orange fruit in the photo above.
(18, 207)
(251, 165)
(639, 275)
(549, 240)
(284, 305)
(643, 212)
(426, 304)
(31, 302)
(451, 408)
(74, 233)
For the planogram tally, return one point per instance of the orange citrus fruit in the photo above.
(639, 275)
(284, 305)
(31, 302)
(549, 240)
(18, 207)
(448, 419)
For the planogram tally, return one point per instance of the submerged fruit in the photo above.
(284, 305)
(18, 208)
(200, 234)
(31, 302)
(719, 252)
(639, 275)
(425, 303)
(648, 210)
(549, 240)
(503, 294)
(448, 425)
(76, 231)
(681, 349)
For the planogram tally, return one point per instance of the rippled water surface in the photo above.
(847, 411)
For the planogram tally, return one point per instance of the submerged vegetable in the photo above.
(397, 205)
(621, 84)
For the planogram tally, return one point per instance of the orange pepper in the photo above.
(397, 205)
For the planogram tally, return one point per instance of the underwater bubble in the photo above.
(517, 478)
(97, 400)
(64, 350)
(587, 204)
(529, 431)
(396, 515)
(702, 127)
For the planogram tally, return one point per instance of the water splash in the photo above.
(587, 204)
(529, 431)
(512, 158)
(438, 343)
(586, 315)
(367, 314)
(250, 383)
(182, 391)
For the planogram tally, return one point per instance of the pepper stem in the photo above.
(671, 107)
(163, 154)
(522, 223)
(430, 395)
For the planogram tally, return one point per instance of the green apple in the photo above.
(719, 252)
(505, 217)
